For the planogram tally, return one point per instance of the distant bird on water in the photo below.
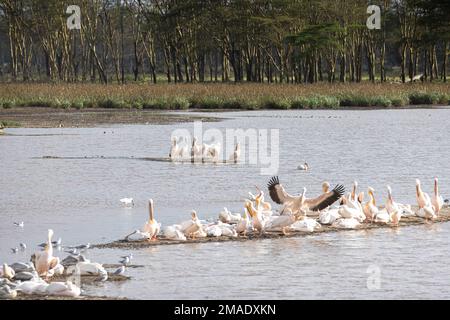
(19, 224)
(303, 167)
(128, 202)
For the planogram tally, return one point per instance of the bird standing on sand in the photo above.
(437, 201)
(120, 271)
(152, 227)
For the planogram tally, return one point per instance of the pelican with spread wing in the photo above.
(297, 203)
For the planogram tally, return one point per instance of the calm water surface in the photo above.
(79, 200)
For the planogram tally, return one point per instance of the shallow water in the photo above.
(78, 198)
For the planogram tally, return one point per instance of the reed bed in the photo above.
(223, 96)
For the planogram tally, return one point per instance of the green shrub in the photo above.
(276, 103)
(9, 124)
(418, 98)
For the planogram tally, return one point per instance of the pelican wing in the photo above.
(277, 192)
(326, 199)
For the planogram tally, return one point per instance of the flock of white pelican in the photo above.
(35, 277)
(296, 213)
(182, 150)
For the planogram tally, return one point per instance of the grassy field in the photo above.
(223, 96)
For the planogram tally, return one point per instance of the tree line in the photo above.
(275, 41)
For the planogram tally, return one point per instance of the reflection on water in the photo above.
(79, 200)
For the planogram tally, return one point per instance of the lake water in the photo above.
(79, 199)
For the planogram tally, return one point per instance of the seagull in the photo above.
(120, 271)
(14, 250)
(80, 248)
(23, 246)
(72, 251)
(127, 201)
(303, 167)
(125, 261)
(19, 224)
(56, 243)
(130, 256)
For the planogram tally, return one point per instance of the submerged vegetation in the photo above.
(222, 96)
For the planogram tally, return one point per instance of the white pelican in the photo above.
(370, 208)
(226, 216)
(211, 151)
(244, 224)
(183, 152)
(174, 150)
(437, 201)
(127, 202)
(423, 199)
(236, 156)
(346, 223)
(196, 150)
(44, 259)
(426, 212)
(173, 233)
(325, 187)
(213, 231)
(329, 216)
(393, 208)
(348, 212)
(63, 289)
(8, 272)
(86, 268)
(354, 190)
(152, 227)
(227, 230)
(258, 222)
(138, 235)
(261, 203)
(303, 167)
(382, 216)
(306, 225)
(189, 228)
(296, 203)
(283, 222)
(361, 197)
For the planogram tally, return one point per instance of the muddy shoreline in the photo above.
(46, 117)
(40, 117)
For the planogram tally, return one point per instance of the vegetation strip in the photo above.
(222, 96)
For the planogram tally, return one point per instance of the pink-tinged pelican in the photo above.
(325, 187)
(423, 199)
(258, 221)
(437, 201)
(191, 227)
(393, 208)
(152, 227)
(44, 259)
(353, 194)
(370, 208)
(297, 203)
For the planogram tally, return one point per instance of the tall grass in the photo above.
(222, 96)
